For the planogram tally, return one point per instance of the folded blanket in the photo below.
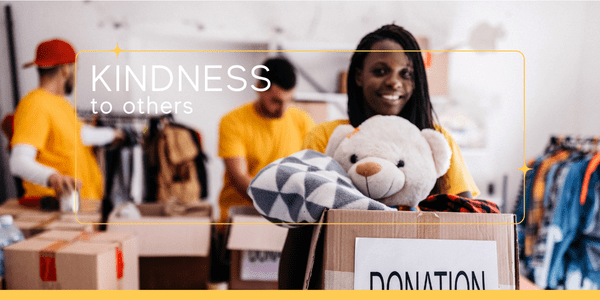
(297, 188)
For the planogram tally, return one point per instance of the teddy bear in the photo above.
(390, 160)
(383, 164)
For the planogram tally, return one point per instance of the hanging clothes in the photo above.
(175, 163)
(561, 231)
(119, 173)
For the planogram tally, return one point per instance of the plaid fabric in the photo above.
(453, 203)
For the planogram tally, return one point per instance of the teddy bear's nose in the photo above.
(368, 168)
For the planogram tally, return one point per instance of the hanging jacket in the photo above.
(173, 158)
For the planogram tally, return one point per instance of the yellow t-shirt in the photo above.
(50, 124)
(244, 133)
(457, 178)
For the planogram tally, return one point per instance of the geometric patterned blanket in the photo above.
(297, 189)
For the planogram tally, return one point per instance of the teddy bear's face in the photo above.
(389, 159)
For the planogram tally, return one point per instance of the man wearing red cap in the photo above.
(50, 144)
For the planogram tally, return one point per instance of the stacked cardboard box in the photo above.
(32, 221)
(174, 251)
(334, 258)
(73, 260)
(35, 222)
(13, 208)
(255, 247)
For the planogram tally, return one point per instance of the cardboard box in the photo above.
(35, 222)
(73, 260)
(255, 250)
(317, 110)
(13, 208)
(172, 256)
(436, 66)
(332, 258)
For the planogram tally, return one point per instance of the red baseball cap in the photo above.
(52, 53)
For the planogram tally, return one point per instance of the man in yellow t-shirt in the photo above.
(47, 147)
(258, 133)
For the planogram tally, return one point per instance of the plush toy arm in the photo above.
(440, 149)
(297, 189)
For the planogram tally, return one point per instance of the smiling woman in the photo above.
(386, 77)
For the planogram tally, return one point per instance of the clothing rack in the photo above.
(139, 123)
(573, 143)
(559, 200)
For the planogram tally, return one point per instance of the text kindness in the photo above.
(160, 78)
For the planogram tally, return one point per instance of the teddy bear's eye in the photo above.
(400, 164)
(353, 158)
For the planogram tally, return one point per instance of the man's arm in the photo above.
(23, 164)
(237, 170)
(100, 136)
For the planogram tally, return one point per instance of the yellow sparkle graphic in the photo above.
(524, 169)
(117, 50)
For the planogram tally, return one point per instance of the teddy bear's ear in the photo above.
(338, 135)
(440, 149)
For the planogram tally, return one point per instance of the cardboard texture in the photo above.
(162, 239)
(34, 222)
(243, 236)
(13, 208)
(317, 110)
(172, 256)
(331, 258)
(436, 66)
(72, 260)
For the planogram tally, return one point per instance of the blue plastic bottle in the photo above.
(4, 241)
(9, 234)
(13, 232)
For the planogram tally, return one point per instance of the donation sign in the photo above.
(259, 265)
(422, 264)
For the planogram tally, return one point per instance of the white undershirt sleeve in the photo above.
(23, 164)
(97, 136)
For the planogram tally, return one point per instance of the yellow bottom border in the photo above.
(312, 295)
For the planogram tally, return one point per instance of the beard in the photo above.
(268, 114)
(69, 86)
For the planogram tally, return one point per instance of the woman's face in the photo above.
(386, 79)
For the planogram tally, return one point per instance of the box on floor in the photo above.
(255, 250)
(335, 257)
(174, 252)
(72, 260)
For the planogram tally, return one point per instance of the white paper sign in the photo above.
(259, 265)
(421, 264)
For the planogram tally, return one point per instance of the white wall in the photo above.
(558, 39)
(587, 92)
(550, 36)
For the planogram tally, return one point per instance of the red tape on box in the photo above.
(48, 256)
(120, 263)
(48, 260)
